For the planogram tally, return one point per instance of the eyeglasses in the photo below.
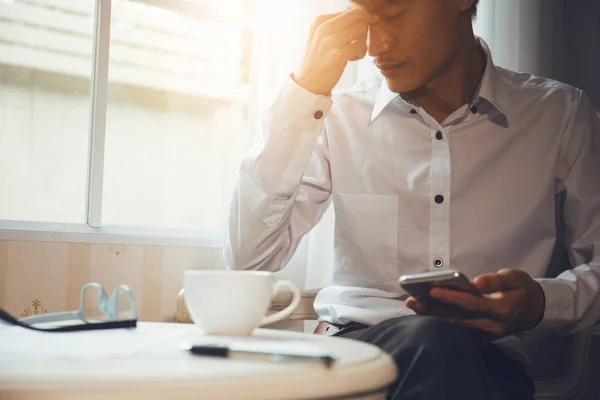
(116, 311)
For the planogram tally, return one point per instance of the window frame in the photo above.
(92, 231)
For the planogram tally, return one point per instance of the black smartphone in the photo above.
(419, 285)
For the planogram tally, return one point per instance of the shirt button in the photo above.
(438, 262)
(318, 114)
(474, 109)
(439, 199)
(439, 135)
(413, 111)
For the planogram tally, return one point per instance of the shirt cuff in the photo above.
(558, 304)
(302, 108)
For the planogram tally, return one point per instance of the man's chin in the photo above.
(398, 84)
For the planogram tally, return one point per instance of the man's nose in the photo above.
(379, 41)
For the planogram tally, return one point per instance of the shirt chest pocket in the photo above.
(366, 235)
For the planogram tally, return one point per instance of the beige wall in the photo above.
(47, 277)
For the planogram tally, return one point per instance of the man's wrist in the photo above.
(311, 88)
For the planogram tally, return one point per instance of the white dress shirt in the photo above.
(475, 193)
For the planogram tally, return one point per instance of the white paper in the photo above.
(19, 344)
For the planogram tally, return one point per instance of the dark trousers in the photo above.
(439, 360)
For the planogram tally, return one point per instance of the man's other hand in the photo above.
(511, 302)
(335, 40)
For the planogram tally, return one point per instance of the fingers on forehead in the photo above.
(343, 21)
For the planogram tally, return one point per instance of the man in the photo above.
(445, 162)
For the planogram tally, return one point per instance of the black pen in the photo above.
(217, 350)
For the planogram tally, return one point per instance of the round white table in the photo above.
(162, 370)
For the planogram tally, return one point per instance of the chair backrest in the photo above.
(560, 261)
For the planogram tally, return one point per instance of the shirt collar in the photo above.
(492, 89)
(384, 98)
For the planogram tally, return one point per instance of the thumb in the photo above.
(488, 283)
(511, 278)
(502, 281)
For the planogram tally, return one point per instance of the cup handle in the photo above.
(286, 312)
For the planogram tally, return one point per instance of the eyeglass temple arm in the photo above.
(53, 317)
(111, 307)
(65, 315)
(129, 293)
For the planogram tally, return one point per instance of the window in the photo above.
(175, 120)
(45, 71)
(167, 88)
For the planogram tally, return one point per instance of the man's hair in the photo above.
(474, 9)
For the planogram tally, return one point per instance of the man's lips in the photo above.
(389, 69)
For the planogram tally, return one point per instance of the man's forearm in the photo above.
(260, 232)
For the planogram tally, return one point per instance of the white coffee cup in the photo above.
(234, 303)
